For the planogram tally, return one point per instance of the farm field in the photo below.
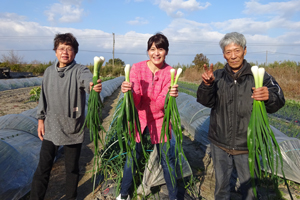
(15, 101)
(287, 119)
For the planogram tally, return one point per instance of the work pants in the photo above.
(42, 174)
(223, 165)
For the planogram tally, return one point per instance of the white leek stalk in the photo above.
(93, 119)
(128, 127)
(179, 70)
(98, 62)
(172, 115)
(261, 140)
(127, 72)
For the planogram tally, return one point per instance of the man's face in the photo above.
(65, 54)
(234, 54)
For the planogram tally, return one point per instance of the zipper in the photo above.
(234, 121)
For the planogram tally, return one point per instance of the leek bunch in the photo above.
(93, 119)
(172, 115)
(128, 125)
(261, 140)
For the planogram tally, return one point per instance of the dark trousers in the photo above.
(171, 185)
(42, 174)
(223, 165)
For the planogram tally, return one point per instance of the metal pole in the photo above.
(113, 61)
(266, 58)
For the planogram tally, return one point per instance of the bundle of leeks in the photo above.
(172, 115)
(261, 141)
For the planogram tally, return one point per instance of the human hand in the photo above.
(41, 129)
(97, 87)
(260, 94)
(174, 90)
(126, 86)
(208, 76)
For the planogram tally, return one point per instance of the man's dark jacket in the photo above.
(229, 96)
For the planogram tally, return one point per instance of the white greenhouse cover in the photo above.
(195, 118)
(19, 144)
(19, 157)
(19, 122)
(9, 84)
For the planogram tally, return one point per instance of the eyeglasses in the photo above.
(65, 49)
(235, 51)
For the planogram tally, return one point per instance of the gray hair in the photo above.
(234, 37)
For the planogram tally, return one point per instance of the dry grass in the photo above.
(192, 75)
(287, 77)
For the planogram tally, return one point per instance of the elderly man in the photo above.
(61, 115)
(229, 92)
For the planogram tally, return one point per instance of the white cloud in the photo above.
(190, 37)
(250, 26)
(11, 16)
(283, 9)
(179, 14)
(68, 11)
(138, 21)
(27, 35)
(185, 36)
(187, 29)
(71, 2)
(171, 6)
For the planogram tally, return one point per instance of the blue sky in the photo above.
(192, 27)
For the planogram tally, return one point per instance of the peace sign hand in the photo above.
(208, 76)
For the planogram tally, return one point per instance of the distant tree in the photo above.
(12, 58)
(35, 62)
(253, 63)
(200, 60)
(218, 65)
(117, 62)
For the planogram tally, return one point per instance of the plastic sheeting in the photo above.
(109, 86)
(19, 144)
(153, 173)
(154, 176)
(19, 122)
(31, 113)
(9, 84)
(195, 119)
(18, 161)
(290, 151)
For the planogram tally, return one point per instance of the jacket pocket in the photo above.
(59, 123)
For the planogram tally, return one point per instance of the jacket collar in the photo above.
(245, 70)
(61, 72)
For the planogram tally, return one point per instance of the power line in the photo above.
(137, 38)
(170, 54)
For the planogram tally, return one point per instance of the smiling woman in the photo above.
(65, 48)
(149, 82)
(61, 115)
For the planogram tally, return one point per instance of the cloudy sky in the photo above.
(272, 28)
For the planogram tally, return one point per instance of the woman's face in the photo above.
(65, 54)
(157, 55)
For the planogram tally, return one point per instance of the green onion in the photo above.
(128, 125)
(261, 141)
(93, 119)
(172, 115)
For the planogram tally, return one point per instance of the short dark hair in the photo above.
(66, 38)
(160, 41)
